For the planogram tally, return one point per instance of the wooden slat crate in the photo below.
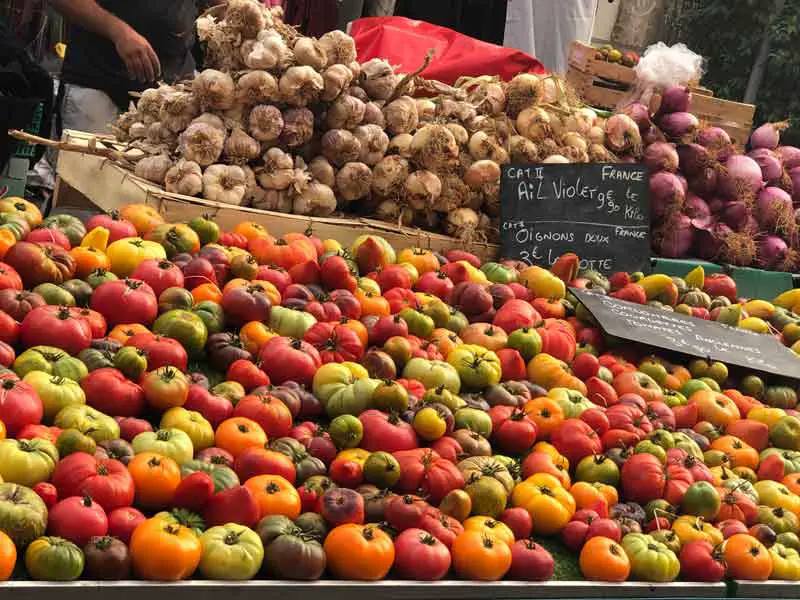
(108, 186)
(606, 85)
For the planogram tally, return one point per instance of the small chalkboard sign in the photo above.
(689, 335)
(599, 211)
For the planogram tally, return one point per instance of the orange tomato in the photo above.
(587, 496)
(739, 453)
(792, 483)
(251, 230)
(269, 290)
(164, 551)
(8, 556)
(156, 478)
(486, 335)
(254, 335)
(491, 527)
(546, 413)
(360, 552)
(207, 291)
(7, 239)
(445, 341)
(549, 372)
(423, 260)
(237, 434)
(359, 328)
(122, 333)
(602, 559)
(715, 407)
(747, 558)
(88, 260)
(2, 430)
(281, 252)
(143, 217)
(372, 304)
(275, 496)
(479, 556)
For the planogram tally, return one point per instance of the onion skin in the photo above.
(679, 125)
(677, 99)
(674, 238)
(709, 238)
(741, 178)
(693, 158)
(640, 115)
(775, 210)
(789, 155)
(739, 249)
(735, 214)
(794, 176)
(771, 166)
(714, 138)
(661, 156)
(704, 183)
(667, 194)
(771, 251)
(695, 207)
(622, 133)
(768, 135)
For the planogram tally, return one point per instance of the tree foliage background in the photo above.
(728, 33)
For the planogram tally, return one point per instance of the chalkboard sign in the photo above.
(599, 211)
(689, 335)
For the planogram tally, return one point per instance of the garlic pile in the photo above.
(289, 123)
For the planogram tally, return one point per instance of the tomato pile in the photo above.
(177, 401)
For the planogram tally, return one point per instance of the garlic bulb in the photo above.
(153, 168)
(309, 52)
(265, 123)
(256, 87)
(223, 183)
(184, 177)
(278, 170)
(240, 147)
(298, 127)
(336, 79)
(339, 47)
(214, 89)
(315, 199)
(374, 143)
(202, 144)
(177, 110)
(300, 86)
(246, 18)
(378, 79)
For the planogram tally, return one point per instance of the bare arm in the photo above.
(134, 50)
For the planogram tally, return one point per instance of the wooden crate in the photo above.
(108, 186)
(606, 85)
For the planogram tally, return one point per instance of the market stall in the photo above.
(232, 379)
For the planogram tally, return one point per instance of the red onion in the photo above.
(676, 99)
(775, 210)
(666, 194)
(640, 115)
(661, 156)
(709, 237)
(674, 238)
(679, 125)
(741, 178)
(789, 155)
(716, 204)
(771, 250)
(714, 138)
(652, 136)
(751, 226)
(622, 134)
(695, 207)
(693, 158)
(771, 167)
(735, 214)
(739, 249)
(794, 176)
(704, 182)
(684, 182)
(790, 262)
(768, 135)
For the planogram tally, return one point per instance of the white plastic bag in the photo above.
(663, 66)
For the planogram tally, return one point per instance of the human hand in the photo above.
(137, 54)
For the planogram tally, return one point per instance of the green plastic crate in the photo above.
(750, 283)
(24, 149)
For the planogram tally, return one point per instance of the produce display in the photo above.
(293, 124)
(609, 53)
(711, 201)
(183, 402)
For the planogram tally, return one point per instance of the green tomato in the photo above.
(663, 438)
(711, 383)
(54, 295)
(650, 560)
(98, 276)
(457, 322)
(289, 322)
(27, 462)
(790, 540)
(79, 290)
(53, 559)
(497, 273)
(687, 444)
(445, 396)
(212, 315)
(473, 419)
(572, 402)
(791, 459)
(433, 373)
(95, 358)
(87, 420)
(72, 440)
(224, 478)
(785, 433)
(175, 298)
(419, 324)
(477, 367)
(694, 385)
(186, 327)
(51, 360)
(232, 390)
(131, 361)
(55, 391)
(23, 514)
(382, 469)
(701, 500)
(659, 508)
(673, 398)
(346, 431)
(780, 520)
(231, 552)
(527, 341)
(70, 225)
(438, 311)
(597, 468)
(171, 442)
(780, 396)
(648, 447)
(207, 230)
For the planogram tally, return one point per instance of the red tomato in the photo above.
(423, 470)
(55, 326)
(126, 301)
(118, 227)
(7, 354)
(336, 275)
(20, 405)
(247, 373)
(77, 519)
(47, 492)
(107, 481)
(268, 411)
(512, 430)
(699, 562)
(284, 359)
(9, 328)
(387, 433)
(194, 491)
(277, 276)
(122, 522)
(159, 274)
(161, 351)
(575, 439)
(97, 322)
(246, 303)
(420, 556)
(334, 342)
(45, 235)
(9, 278)
(39, 431)
(437, 284)
(111, 393)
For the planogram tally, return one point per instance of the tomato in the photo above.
(27, 462)
(360, 552)
(550, 505)
(8, 557)
(268, 411)
(746, 558)
(156, 538)
(21, 208)
(20, 405)
(232, 552)
(334, 342)
(77, 519)
(650, 560)
(53, 559)
(55, 392)
(126, 301)
(159, 275)
(284, 359)
(165, 387)
(54, 326)
(40, 263)
(420, 556)
(477, 367)
(274, 495)
(9, 278)
(477, 556)
(127, 254)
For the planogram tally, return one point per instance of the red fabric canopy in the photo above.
(403, 42)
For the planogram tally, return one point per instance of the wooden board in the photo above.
(582, 57)
(108, 186)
